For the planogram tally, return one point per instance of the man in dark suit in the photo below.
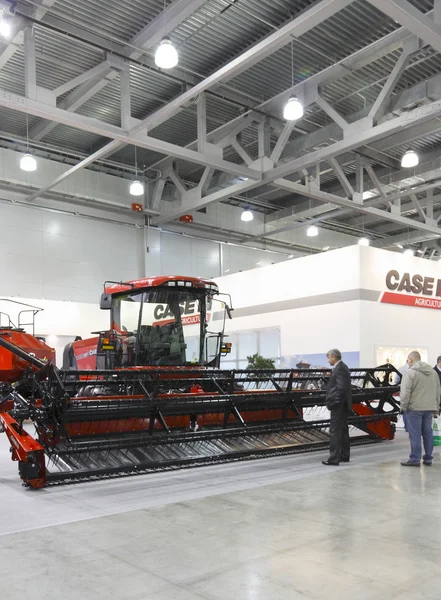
(339, 403)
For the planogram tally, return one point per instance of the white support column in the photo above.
(205, 180)
(395, 206)
(380, 104)
(282, 141)
(429, 204)
(225, 140)
(157, 194)
(126, 103)
(373, 177)
(221, 260)
(98, 71)
(180, 185)
(346, 185)
(359, 179)
(418, 207)
(330, 110)
(30, 64)
(242, 152)
(201, 106)
(74, 100)
(264, 139)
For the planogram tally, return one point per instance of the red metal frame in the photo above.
(12, 366)
(150, 282)
(25, 450)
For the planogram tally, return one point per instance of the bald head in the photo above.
(413, 357)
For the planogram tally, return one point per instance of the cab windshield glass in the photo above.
(166, 327)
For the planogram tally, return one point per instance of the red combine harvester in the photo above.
(150, 394)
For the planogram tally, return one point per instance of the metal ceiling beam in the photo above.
(407, 120)
(98, 70)
(308, 19)
(344, 182)
(310, 192)
(412, 19)
(119, 135)
(177, 12)
(430, 88)
(37, 11)
(331, 112)
(336, 71)
(282, 141)
(329, 211)
(410, 237)
(379, 107)
(174, 14)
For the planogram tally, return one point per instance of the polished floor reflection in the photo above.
(265, 530)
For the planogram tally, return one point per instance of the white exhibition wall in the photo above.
(334, 300)
(305, 299)
(45, 254)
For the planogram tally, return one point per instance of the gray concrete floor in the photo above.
(262, 530)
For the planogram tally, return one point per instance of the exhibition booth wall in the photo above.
(358, 299)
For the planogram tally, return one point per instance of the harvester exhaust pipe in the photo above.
(33, 360)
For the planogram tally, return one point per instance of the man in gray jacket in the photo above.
(419, 397)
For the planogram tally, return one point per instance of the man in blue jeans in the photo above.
(419, 398)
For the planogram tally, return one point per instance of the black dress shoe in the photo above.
(344, 460)
(409, 463)
(329, 464)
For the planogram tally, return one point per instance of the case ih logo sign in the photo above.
(426, 290)
(189, 313)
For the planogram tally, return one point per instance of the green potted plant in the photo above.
(256, 362)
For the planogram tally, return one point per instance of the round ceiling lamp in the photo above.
(28, 163)
(410, 159)
(136, 188)
(246, 215)
(166, 56)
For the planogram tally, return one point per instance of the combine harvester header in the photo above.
(157, 399)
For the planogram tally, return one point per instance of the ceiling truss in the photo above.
(296, 160)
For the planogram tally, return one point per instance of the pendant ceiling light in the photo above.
(28, 162)
(247, 215)
(364, 241)
(408, 252)
(136, 187)
(312, 231)
(293, 108)
(410, 159)
(166, 56)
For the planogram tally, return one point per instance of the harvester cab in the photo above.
(160, 321)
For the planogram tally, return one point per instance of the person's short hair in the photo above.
(438, 359)
(334, 352)
(415, 356)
